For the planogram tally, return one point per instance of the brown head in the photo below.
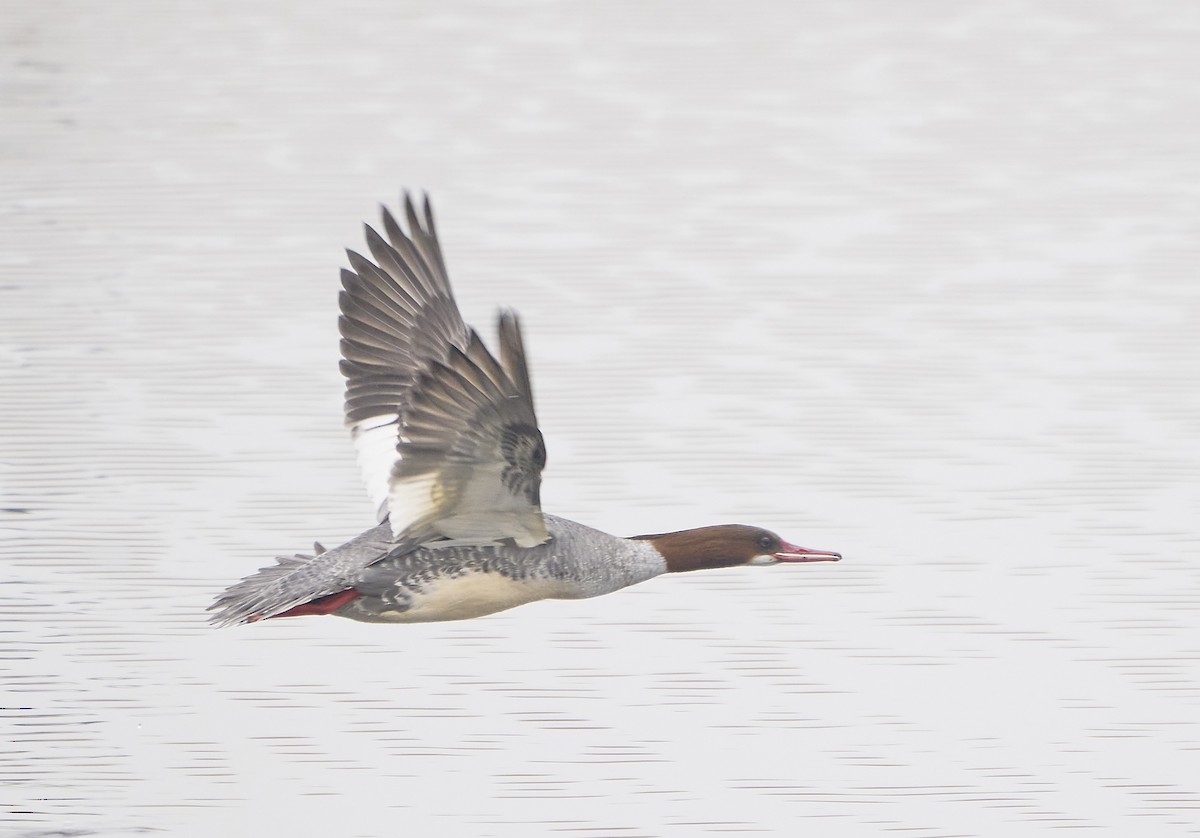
(729, 545)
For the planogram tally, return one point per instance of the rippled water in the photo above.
(913, 282)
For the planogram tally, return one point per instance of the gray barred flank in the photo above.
(585, 561)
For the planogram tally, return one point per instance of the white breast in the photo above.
(472, 595)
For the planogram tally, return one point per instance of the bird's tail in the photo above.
(296, 580)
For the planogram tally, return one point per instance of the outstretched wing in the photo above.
(446, 435)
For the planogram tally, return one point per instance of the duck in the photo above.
(452, 456)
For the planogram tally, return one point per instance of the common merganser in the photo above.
(450, 451)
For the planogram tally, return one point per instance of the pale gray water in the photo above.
(915, 281)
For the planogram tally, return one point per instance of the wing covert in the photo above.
(446, 435)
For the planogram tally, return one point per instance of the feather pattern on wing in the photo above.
(446, 435)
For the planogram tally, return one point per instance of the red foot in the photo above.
(322, 605)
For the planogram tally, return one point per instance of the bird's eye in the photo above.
(766, 542)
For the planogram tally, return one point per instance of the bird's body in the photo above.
(450, 450)
(439, 582)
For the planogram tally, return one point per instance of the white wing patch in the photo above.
(412, 499)
(471, 506)
(375, 442)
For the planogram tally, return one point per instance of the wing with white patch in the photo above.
(471, 454)
(446, 435)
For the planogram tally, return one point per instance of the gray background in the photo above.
(913, 281)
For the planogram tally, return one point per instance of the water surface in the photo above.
(914, 283)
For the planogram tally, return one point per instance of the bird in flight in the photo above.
(451, 454)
